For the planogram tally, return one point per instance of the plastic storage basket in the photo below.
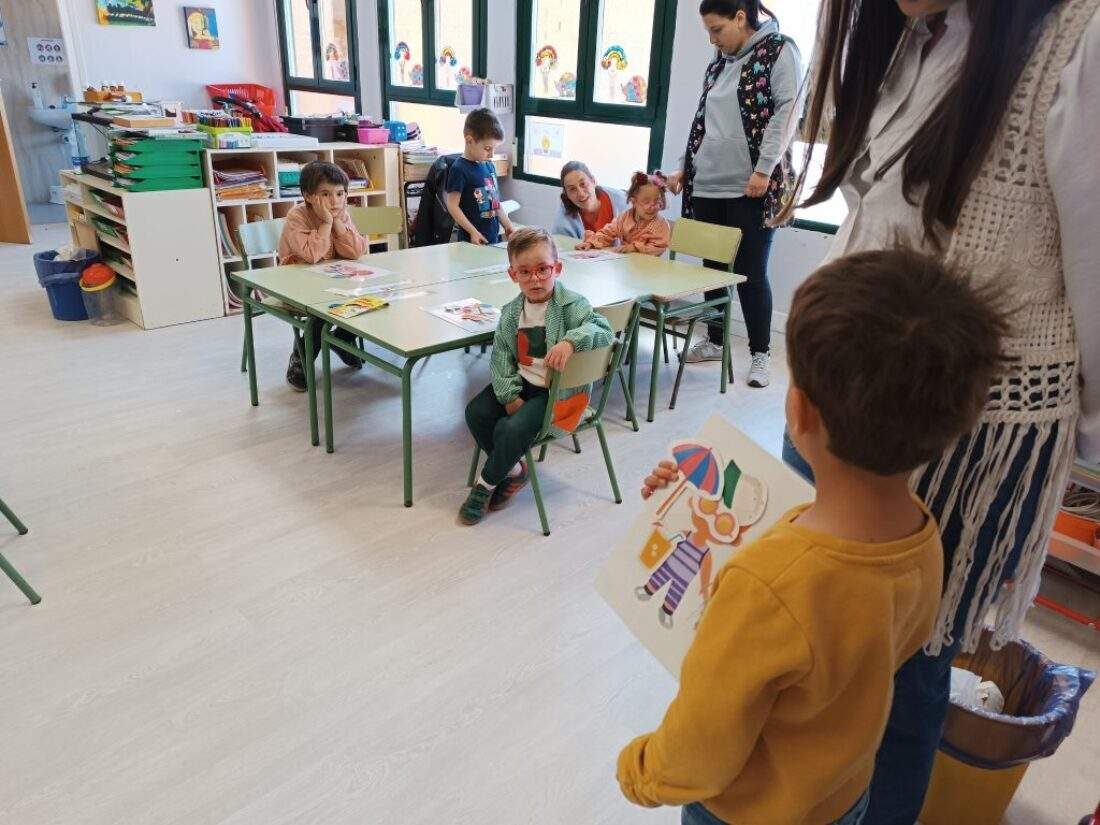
(262, 96)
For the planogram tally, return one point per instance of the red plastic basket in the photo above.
(262, 96)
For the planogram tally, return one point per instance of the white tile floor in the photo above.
(239, 628)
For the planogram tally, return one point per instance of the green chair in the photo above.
(258, 239)
(623, 318)
(584, 368)
(6, 566)
(710, 242)
(377, 220)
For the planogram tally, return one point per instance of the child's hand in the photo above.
(583, 246)
(478, 239)
(512, 407)
(663, 474)
(322, 212)
(509, 230)
(559, 355)
(626, 247)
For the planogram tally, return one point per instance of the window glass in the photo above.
(612, 151)
(624, 39)
(336, 57)
(555, 30)
(406, 51)
(299, 45)
(454, 42)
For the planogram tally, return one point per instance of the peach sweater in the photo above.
(649, 238)
(305, 240)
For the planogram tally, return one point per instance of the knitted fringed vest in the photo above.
(1008, 235)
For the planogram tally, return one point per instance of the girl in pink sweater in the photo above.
(320, 230)
(640, 228)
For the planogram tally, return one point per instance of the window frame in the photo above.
(429, 94)
(584, 107)
(318, 84)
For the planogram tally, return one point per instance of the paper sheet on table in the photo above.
(469, 313)
(353, 270)
(588, 256)
(487, 270)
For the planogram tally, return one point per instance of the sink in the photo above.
(58, 119)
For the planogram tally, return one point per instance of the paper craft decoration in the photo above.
(402, 55)
(613, 61)
(202, 27)
(417, 75)
(464, 75)
(546, 60)
(728, 493)
(587, 256)
(547, 139)
(356, 306)
(635, 90)
(448, 61)
(352, 270)
(567, 85)
(469, 313)
(125, 12)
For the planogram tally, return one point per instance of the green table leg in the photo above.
(19, 581)
(634, 360)
(326, 371)
(659, 334)
(250, 352)
(406, 428)
(13, 518)
(311, 384)
(726, 338)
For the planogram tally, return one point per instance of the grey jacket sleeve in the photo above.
(1072, 127)
(786, 90)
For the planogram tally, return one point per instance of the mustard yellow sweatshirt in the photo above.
(785, 691)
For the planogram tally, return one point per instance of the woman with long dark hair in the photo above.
(968, 128)
(585, 205)
(736, 169)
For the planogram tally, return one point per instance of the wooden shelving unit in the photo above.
(169, 260)
(383, 166)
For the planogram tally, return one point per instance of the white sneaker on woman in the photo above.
(760, 371)
(703, 351)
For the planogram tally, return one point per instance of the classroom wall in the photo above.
(156, 59)
(38, 149)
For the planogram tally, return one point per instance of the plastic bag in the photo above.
(1041, 699)
(968, 690)
(54, 272)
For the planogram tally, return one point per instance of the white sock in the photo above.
(481, 480)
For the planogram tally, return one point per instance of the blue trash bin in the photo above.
(61, 280)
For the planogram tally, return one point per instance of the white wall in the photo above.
(157, 61)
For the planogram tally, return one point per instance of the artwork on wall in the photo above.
(125, 12)
(202, 27)
(46, 51)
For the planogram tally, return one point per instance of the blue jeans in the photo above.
(903, 765)
(697, 814)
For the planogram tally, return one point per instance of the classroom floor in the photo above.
(239, 629)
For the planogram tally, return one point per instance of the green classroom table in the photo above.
(443, 272)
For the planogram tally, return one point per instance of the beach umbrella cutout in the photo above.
(700, 467)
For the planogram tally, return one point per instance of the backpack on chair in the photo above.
(434, 224)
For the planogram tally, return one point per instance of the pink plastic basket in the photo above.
(373, 135)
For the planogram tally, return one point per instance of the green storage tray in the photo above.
(157, 147)
(290, 178)
(157, 159)
(159, 184)
(158, 172)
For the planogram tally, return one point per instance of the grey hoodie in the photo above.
(723, 165)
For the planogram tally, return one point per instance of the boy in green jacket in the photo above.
(539, 331)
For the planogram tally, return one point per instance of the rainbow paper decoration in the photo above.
(546, 56)
(447, 57)
(401, 51)
(614, 58)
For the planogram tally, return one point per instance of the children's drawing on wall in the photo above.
(447, 63)
(728, 492)
(613, 61)
(635, 90)
(546, 60)
(417, 76)
(336, 64)
(402, 55)
(125, 12)
(202, 27)
(567, 86)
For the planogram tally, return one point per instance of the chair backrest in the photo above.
(377, 220)
(709, 241)
(260, 237)
(617, 315)
(586, 367)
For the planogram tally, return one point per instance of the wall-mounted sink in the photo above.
(58, 119)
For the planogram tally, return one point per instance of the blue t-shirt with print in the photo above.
(480, 202)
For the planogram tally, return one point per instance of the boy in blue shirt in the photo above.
(472, 195)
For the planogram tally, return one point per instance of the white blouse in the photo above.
(878, 210)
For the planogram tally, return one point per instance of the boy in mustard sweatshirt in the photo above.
(785, 691)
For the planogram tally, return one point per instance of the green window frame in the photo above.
(429, 93)
(583, 106)
(318, 84)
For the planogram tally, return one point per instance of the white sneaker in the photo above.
(760, 371)
(703, 351)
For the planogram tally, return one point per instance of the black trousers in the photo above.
(755, 295)
(317, 326)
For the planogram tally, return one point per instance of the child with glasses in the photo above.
(538, 332)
